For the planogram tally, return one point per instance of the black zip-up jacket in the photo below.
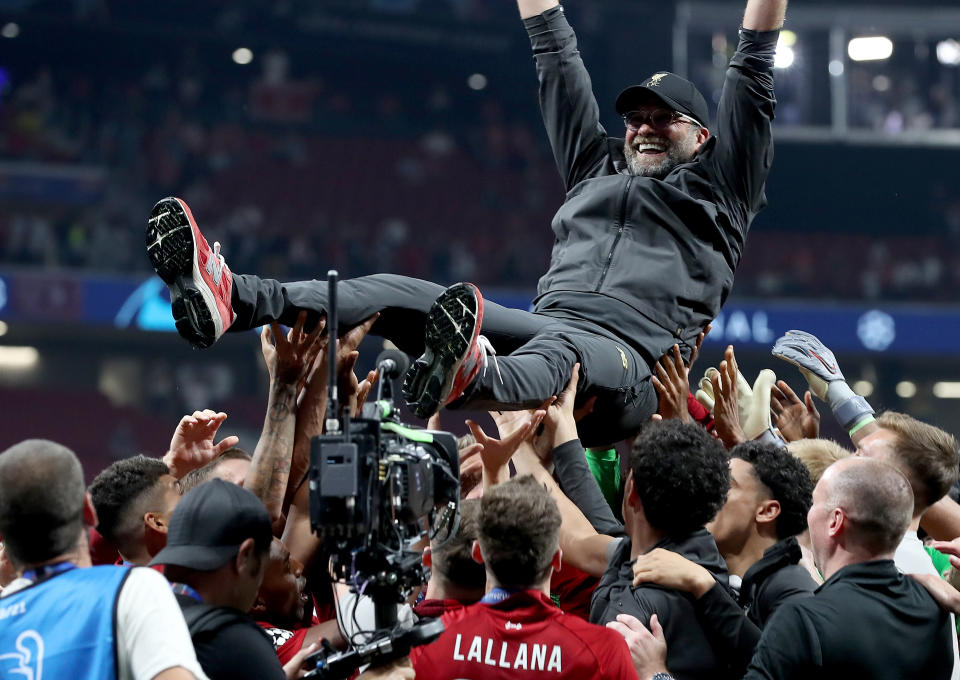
(690, 655)
(734, 626)
(867, 621)
(649, 260)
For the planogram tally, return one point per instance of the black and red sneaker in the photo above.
(455, 351)
(199, 279)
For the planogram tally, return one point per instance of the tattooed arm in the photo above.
(288, 359)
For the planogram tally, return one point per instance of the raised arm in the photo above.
(569, 109)
(743, 152)
(288, 360)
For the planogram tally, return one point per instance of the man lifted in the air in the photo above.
(647, 241)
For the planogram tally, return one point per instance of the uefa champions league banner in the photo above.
(144, 304)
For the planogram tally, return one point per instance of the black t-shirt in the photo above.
(235, 649)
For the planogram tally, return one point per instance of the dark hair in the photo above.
(681, 475)
(925, 454)
(519, 528)
(786, 478)
(454, 561)
(41, 501)
(116, 493)
(198, 476)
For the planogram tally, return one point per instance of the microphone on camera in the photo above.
(392, 363)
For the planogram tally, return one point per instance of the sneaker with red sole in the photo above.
(454, 354)
(199, 279)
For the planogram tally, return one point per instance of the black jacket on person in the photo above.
(773, 579)
(229, 644)
(690, 655)
(867, 621)
(649, 260)
(734, 626)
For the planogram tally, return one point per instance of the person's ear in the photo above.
(427, 558)
(259, 605)
(156, 522)
(477, 553)
(246, 560)
(89, 512)
(703, 134)
(837, 523)
(767, 511)
(557, 561)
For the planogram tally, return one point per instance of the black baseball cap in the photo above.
(209, 524)
(666, 88)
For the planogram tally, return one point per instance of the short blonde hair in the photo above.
(817, 455)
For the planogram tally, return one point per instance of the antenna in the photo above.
(333, 407)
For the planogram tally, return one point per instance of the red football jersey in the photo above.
(572, 590)
(522, 635)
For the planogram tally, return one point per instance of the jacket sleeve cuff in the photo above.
(548, 30)
(756, 50)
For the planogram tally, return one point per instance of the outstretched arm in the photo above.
(570, 112)
(288, 360)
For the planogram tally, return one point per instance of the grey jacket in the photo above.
(650, 260)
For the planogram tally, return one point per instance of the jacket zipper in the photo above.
(616, 240)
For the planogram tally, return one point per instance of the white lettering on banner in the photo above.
(29, 661)
(511, 655)
(13, 610)
(739, 327)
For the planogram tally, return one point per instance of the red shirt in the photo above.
(522, 636)
(430, 608)
(572, 589)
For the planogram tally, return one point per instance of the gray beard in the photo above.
(676, 155)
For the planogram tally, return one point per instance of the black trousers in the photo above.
(535, 352)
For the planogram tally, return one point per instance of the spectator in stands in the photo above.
(134, 499)
(516, 629)
(68, 619)
(216, 556)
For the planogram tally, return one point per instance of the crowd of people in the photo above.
(626, 521)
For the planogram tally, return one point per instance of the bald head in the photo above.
(875, 497)
(41, 501)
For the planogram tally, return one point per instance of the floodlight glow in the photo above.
(788, 38)
(946, 390)
(874, 48)
(18, 357)
(242, 55)
(863, 387)
(4, 328)
(10, 30)
(906, 389)
(836, 68)
(477, 81)
(784, 57)
(948, 52)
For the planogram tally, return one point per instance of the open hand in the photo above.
(192, 444)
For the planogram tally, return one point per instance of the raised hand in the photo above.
(672, 386)
(497, 453)
(794, 418)
(559, 423)
(289, 359)
(814, 359)
(192, 444)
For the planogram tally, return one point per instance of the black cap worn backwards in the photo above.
(666, 88)
(209, 524)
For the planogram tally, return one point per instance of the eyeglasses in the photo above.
(657, 118)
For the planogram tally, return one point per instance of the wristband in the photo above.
(859, 426)
(770, 438)
(661, 676)
(852, 410)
